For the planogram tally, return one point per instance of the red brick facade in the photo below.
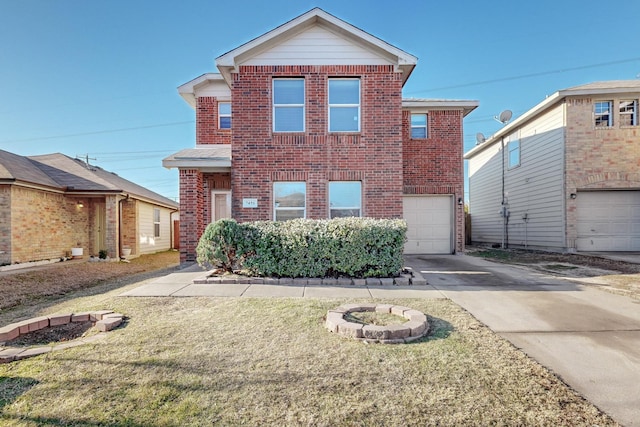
(373, 156)
(435, 165)
(381, 155)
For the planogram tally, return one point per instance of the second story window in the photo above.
(418, 126)
(629, 112)
(602, 114)
(224, 115)
(514, 153)
(344, 105)
(288, 105)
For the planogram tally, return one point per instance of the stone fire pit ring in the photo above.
(416, 326)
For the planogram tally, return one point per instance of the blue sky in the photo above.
(99, 78)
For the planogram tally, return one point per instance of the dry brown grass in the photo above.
(242, 361)
(55, 280)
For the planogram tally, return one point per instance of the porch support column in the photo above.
(112, 220)
(192, 222)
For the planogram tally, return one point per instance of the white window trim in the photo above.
(345, 207)
(292, 208)
(510, 150)
(157, 223)
(220, 115)
(425, 126)
(596, 114)
(345, 105)
(633, 114)
(274, 105)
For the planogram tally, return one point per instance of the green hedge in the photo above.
(352, 247)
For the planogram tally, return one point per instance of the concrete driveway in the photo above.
(590, 338)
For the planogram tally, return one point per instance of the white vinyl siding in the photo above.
(149, 243)
(317, 46)
(534, 188)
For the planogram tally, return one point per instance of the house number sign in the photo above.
(249, 203)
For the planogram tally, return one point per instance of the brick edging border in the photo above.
(104, 321)
(414, 278)
(416, 327)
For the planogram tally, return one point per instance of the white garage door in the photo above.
(608, 221)
(430, 224)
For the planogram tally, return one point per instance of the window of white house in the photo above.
(156, 222)
(418, 126)
(603, 114)
(514, 153)
(289, 200)
(344, 105)
(224, 115)
(629, 112)
(345, 199)
(288, 105)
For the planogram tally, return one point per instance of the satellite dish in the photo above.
(505, 116)
(480, 138)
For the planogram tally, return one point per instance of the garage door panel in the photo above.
(429, 224)
(608, 221)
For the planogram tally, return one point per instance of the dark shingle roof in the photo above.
(71, 175)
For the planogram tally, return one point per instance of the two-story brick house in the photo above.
(566, 171)
(308, 121)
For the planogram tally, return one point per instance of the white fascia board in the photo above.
(507, 129)
(227, 62)
(188, 90)
(424, 105)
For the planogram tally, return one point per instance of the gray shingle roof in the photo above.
(61, 172)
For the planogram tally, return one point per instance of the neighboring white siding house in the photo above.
(553, 168)
(154, 228)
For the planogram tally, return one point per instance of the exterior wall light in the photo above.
(80, 205)
(573, 195)
(460, 203)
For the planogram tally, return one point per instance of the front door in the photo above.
(221, 205)
(100, 227)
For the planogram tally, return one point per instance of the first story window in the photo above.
(344, 105)
(156, 222)
(629, 112)
(289, 200)
(288, 105)
(514, 153)
(418, 126)
(345, 199)
(224, 115)
(602, 114)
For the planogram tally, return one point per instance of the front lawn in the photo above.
(243, 361)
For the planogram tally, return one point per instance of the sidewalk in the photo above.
(180, 284)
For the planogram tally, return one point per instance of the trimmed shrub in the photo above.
(352, 247)
(218, 245)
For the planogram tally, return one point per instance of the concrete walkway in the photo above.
(180, 284)
(590, 338)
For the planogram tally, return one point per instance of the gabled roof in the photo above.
(227, 62)
(57, 172)
(610, 87)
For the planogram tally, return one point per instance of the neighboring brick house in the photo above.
(308, 121)
(52, 203)
(567, 171)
